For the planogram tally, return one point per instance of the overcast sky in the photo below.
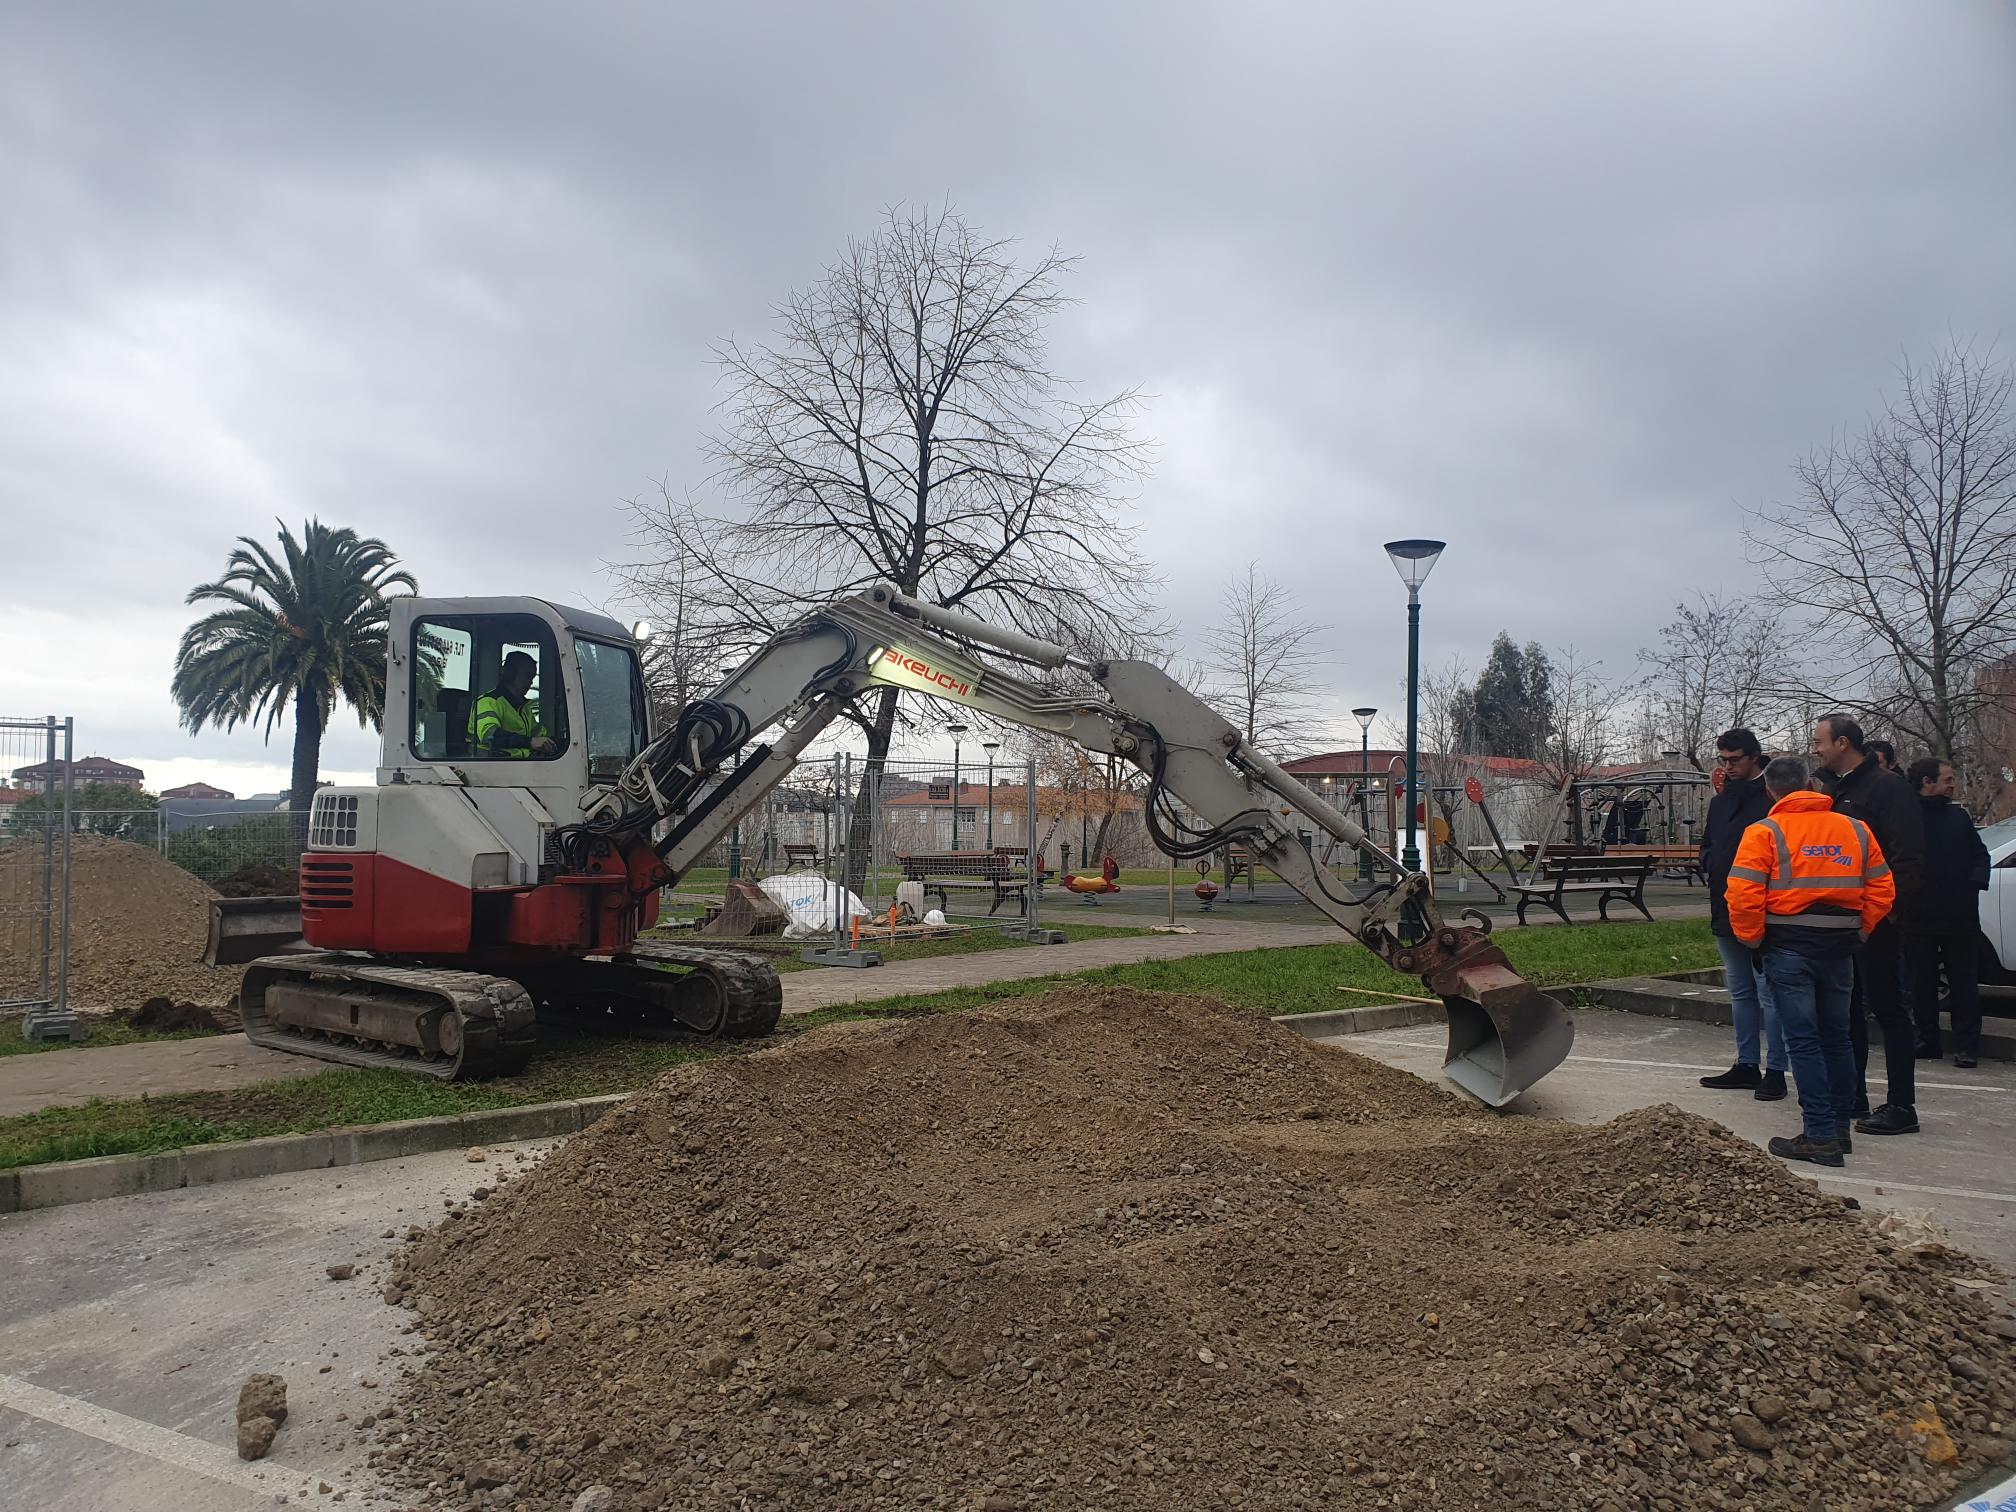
(1569, 285)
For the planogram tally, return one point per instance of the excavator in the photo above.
(467, 893)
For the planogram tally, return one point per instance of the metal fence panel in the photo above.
(35, 820)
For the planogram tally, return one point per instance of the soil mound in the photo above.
(138, 923)
(262, 879)
(1120, 1250)
(165, 1015)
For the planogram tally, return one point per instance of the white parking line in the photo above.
(211, 1461)
(1911, 1186)
(1657, 1065)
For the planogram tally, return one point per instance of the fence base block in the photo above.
(44, 1024)
(1035, 934)
(829, 955)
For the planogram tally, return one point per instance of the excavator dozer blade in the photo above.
(1504, 1033)
(244, 929)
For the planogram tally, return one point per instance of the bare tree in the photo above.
(904, 426)
(1580, 733)
(1714, 667)
(1900, 553)
(1265, 659)
(1444, 707)
(678, 662)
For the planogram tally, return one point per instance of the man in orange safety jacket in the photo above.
(1807, 887)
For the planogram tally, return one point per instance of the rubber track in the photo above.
(753, 995)
(499, 1026)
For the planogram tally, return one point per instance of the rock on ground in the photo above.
(263, 1396)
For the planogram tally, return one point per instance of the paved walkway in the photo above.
(56, 1078)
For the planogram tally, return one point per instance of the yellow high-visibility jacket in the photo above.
(499, 728)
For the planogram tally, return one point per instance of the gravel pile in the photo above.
(1120, 1250)
(138, 923)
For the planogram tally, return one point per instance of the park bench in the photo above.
(796, 856)
(946, 872)
(1606, 876)
(1681, 861)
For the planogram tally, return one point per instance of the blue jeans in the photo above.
(1750, 1005)
(1812, 996)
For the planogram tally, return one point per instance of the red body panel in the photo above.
(352, 900)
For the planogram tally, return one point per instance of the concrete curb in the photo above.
(27, 1188)
(1661, 997)
(56, 1185)
(1332, 1021)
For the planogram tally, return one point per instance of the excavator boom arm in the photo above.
(1504, 1035)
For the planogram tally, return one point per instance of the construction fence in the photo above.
(240, 853)
(35, 755)
(984, 840)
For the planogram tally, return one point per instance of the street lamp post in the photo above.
(1364, 718)
(955, 731)
(1413, 560)
(990, 747)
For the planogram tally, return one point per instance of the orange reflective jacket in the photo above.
(1801, 856)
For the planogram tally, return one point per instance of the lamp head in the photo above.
(1364, 717)
(990, 746)
(1414, 560)
(955, 730)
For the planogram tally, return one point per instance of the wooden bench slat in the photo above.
(946, 872)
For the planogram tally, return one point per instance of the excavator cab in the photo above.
(444, 656)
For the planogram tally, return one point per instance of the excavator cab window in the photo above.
(459, 661)
(612, 695)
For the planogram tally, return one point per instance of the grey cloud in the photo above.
(1569, 285)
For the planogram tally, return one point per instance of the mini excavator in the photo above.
(445, 909)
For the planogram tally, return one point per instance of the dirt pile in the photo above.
(138, 923)
(1119, 1250)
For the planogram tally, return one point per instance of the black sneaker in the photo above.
(1889, 1119)
(1929, 1050)
(1802, 1148)
(1841, 1138)
(1738, 1075)
(1965, 1062)
(1771, 1088)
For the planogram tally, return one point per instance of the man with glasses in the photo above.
(1864, 789)
(1740, 803)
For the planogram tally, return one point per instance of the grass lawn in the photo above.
(102, 1032)
(1299, 980)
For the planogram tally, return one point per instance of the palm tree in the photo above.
(302, 629)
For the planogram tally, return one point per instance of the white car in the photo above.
(1998, 906)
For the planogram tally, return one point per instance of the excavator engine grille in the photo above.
(328, 882)
(333, 821)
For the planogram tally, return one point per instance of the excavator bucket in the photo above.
(746, 910)
(244, 929)
(1504, 1033)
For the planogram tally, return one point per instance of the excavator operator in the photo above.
(503, 723)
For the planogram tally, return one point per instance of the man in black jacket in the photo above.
(1863, 789)
(1740, 803)
(1947, 921)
